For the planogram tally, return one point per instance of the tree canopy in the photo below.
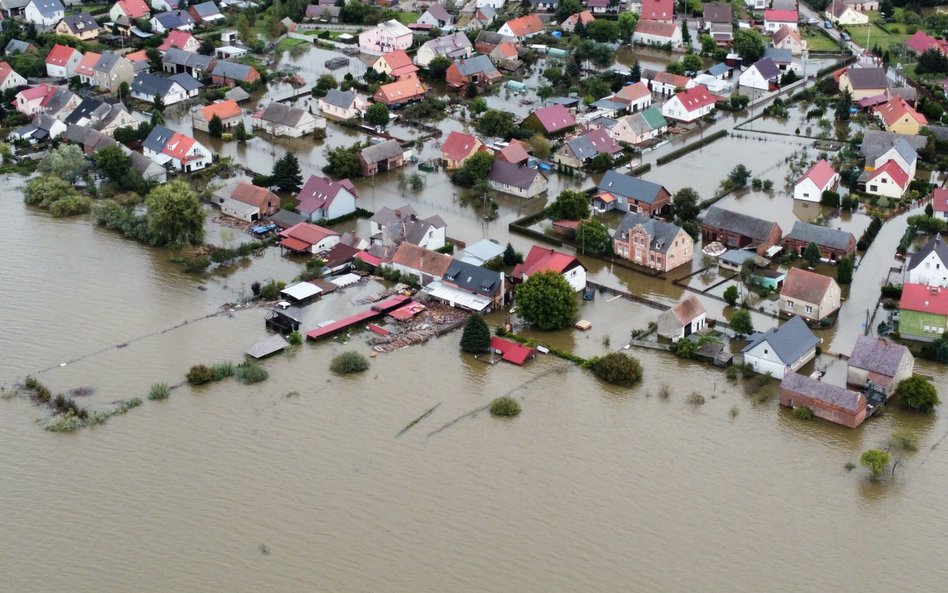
(812, 254)
(475, 169)
(66, 161)
(215, 127)
(594, 237)
(286, 173)
(749, 44)
(476, 336)
(569, 205)
(495, 123)
(917, 393)
(175, 216)
(740, 322)
(617, 368)
(875, 461)
(377, 114)
(547, 301)
(343, 161)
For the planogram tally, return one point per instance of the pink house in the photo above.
(30, 101)
(386, 37)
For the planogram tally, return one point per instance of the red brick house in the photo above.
(478, 70)
(829, 402)
(736, 230)
(834, 244)
(231, 74)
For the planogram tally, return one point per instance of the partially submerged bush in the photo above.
(159, 391)
(803, 413)
(295, 338)
(348, 363)
(696, 399)
(251, 372)
(906, 439)
(65, 422)
(505, 406)
(617, 368)
(200, 374)
(222, 370)
(124, 406)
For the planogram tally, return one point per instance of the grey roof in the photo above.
(906, 92)
(824, 392)
(237, 94)
(158, 138)
(48, 8)
(878, 355)
(231, 70)
(440, 13)
(206, 9)
(935, 244)
(605, 122)
(475, 65)
(610, 104)
(582, 147)
(284, 115)
(790, 342)
(662, 233)
(449, 45)
(821, 235)
(341, 99)
(737, 257)
(267, 346)
(717, 13)
(16, 46)
(387, 216)
(512, 174)
(867, 78)
(107, 61)
(473, 278)
(80, 23)
(85, 110)
(779, 55)
(87, 137)
(58, 100)
(480, 252)
(767, 68)
(188, 82)
(564, 101)
(876, 142)
(174, 18)
(149, 85)
(718, 69)
(14, 4)
(381, 151)
(630, 187)
(905, 150)
(286, 218)
(179, 57)
(736, 222)
(492, 38)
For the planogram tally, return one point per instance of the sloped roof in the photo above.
(206, 9)
(655, 28)
(397, 59)
(925, 299)
(402, 90)
(86, 109)
(421, 259)
(318, 192)
(473, 278)
(878, 355)
(180, 57)
(555, 118)
(630, 187)
(697, 97)
(877, 142)
(658, 9)
(187, 82)
(150, 85)
(232, 70)
(820, 173)
(687, 310)
(459, 145)
(254, 195)
(341, 99)
(591, 143)
(790, 342)
(80, 22)
(440, 13)
(940, 200)
(896, 108)
(176, 39)
(781, 16)
(226, 109)
(173, 19)
(867, 78)
(805, 286)
(542, 259)
(525, 25)
(48, 8)
(381, 151)
(133, 9)
(632, 93)
(821, 235)
(675, 80)
(662, 233)
(780, 55)
(737, 222)
(446, 45)
(832, 395)
(479, 64)
(767, 68)
(307, 232)
(653, 115)
(783, 32)
(512, 174)
(60, 55)
(282, 114)
(934, 244)
(920, 42)
(515, 152)
(717, 13)
(894, 171)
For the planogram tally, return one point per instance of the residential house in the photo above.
(516, 152)
(580, 150)
(62, 60)
(516, 180)
(690, 105)
(80, 26)
(179, 61)
(542, 259)
(667, 84)
(389, 228)
(477, 69)
(820, 177)
(863, 82)
(381, 157)
(9, 79)
(929, 265)
(738, 230)
(401, 92)
(652, 243)
(550, 121)
(486, 41)
(889, 180)
(900, 117)
(482, 18)
(650, 32)
(469, 287)
(248, 202)
(522, 28)
(723, 34)
(162, 5)
(60, 102)
(147, 86)
(457, 148)
(278, 119)
(396, 64)
(423, 265)
(626, 193)
(920, 42)
(436, 16)
(231, 74)
(324, 12)
(342, 105)
(774, 19)
(879, 362)
(17, 46)
(386, 36)
(639, 128)
(308, 238)
(603, 6)
(227, 111)
(716, 13)
(129, 10)
(782, 58)
(506, 56)
(637, 96)
(451, 46)
(834, 244)
(543, 5)
(686, 318)
(321, 198)
(45, 14)
(829, 402)
(181, 40)
(939, 197)
(173, 20)
(662, 11)
(788, 38)
(864, 5)
(175, 150)
(781, 350)
(139, 60)
(90, 112)
(111, 71)
(923, 312)
(495, 4)
(583, 18)
(29, 101)
(901, 152)
(841, 13)
(206, 14)
(762, 75)
(877, 148)
(480, 252)
(812, 296)
(44, 127)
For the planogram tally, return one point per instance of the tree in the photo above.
(377, 115)
(495, 123)
(123, 90)
(844, 271)
(67, 162)
(738, 177)
(749, 44)
(547, 301)
(158, 104)
(686, 205)
(116, 166)
(215, 127)
(476, 336)
(708, 44)
(603, 30)
(875, 461)
(207, 46)
(569, 205)
(175, 216)
(541, 146)
(286, 173)
(512, 257)
(566, 8)
(932, 61)
(685, 33)
(885, 8)
(812, 254)
(929, 210)
(692, 63)
(478, 105)
(917, 393)
(343, 161)
(240, 132)
(617, 368)
(348, 363)
(627, 22)
(600, 55)
(730, 295)
(437, 68)
(601, 162)
(475, 169)
(635, 74)
(157, 118)
(740, 322)
(594, 237)
(143, 24)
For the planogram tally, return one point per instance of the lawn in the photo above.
(288, 43)
(407, 18)
(893, 34)
(817, 40)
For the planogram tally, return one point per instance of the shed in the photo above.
(511, 351)
(301, 293)
(829, 402)
(267, 346)
(284, 320)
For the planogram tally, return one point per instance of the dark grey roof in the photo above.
(876, 142)
(173, 19)
(87, 137)
(867, 78)
(936, 245)
(187, 82)
(58, 100)
(824, 392)
(381, 151)
(80, 23)
(779, 55)
(717, 13)
(736, 222)
(609, 104)
(179, 57)
(232, 70)
(341, 99)
(477, 64)
(473, 278)
(582, 148)
(158, 138)
(662, 233)
(85, 110)
(286, 218)
(13, 4)
(821, 235)
(767, 68)
(285, 115)
(492, 38)
(878, 355)
(512, 174)
(630, 187)
(15, 47)
(388, 216)
(149, 85)
(237, 94)
(605, 122)
(206, 9)
(107, 61)
(790, 341)
(48, 8)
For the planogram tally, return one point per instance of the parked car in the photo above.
(845, 36)
(813, 21)
(828, 24)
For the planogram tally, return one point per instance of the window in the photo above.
(809, 309)
(789, 304)
(766, 351)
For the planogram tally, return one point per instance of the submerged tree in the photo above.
(476, 336)
(547, 301)
(286, 173)
(175, 216)
(875, 461)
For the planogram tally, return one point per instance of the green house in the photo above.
(923, 312)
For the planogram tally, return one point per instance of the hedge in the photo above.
(690, 147)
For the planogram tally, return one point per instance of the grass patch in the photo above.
(905, 439)
(407, 18)
(288, 43)
(348, 363)
(251, 372)
(200, 374)
(696, 399)
(159, 391)
(222, 370)
(817, 40)
(505, 406)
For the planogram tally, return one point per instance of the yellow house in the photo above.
(899, 117)
(863, 82)
(843, 14)
(79, 26)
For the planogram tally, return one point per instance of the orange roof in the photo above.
(178, 146)
(656, 28)
(133, 9)
(60, 54)
(525, 25)
(254, 195)
(459, 146)
(401, 90)
(397, 59)
(585, 17)
(177, 39)
(222, 109)
(137, 56)
(631, 93)
(675, 80)
(895, 109)
(86, 66)
(606, 197)
(507, 49)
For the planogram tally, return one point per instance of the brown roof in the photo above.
(421, 259)
(831, 395)
(808, 287)
(254, 195)
(688, 310)
(878, 355)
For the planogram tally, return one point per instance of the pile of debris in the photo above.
(434, 321)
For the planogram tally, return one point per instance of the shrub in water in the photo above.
(803, 413)
(906, 439)
(159, 391)
(505, 406)
(617, 368)
(126, 405)
(696, 399)
(222, 370)
(251, 372)
(200, 374)
(348, 363)
(65, 422)
(295, 338)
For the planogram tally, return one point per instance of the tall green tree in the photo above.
(567, 8)
(731, 295)
(740, 322)
(475, 169)
(377, 115)
(512, 257)
(175, 216)
(495, 123)
(917, 393)
(547, 301)
(812, 254)
(437, 68)
(66, 161)
(215, 127)
(627, 22)
(685, 33)
(343, 161)
(844, 271)
(876, 461)
(286, 173)
(686, 205)
(158, 104)
(476, 336)
(569, 205)
(593, 237)
(749, 44)
(617, 368)
(240, 132)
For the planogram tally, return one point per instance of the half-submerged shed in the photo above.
(267, 346)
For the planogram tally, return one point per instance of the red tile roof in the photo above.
(940, 199)
(310, 234)
(223, 109)
(806, 286)
(133, 9)
(926, 299)
(658, 9)
(696, 98)
(60, 54)
(86, 66)
(37, 92)
(525, 25)
(5, 70)
(176, 39)
(459, 146)
(675, 80)
(178, 146)
(400, 91)
(899, 176)
(507, 49)
(515, 152)
(896, 108)
(397, 59)
(655, 28)
(920, 42)
(820, 174)
(781, 16)
(511, 351)
(541, 259)
(632, 93)
(555, 118)
(137, 56)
